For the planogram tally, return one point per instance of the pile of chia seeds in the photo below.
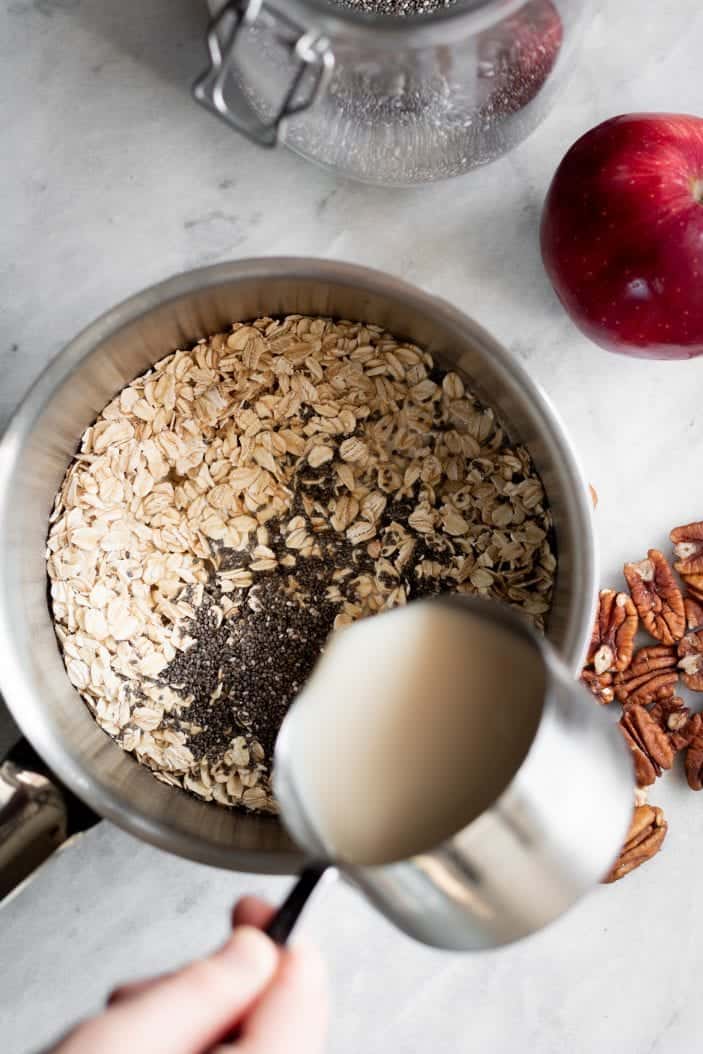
(243, 673)
(401, 8)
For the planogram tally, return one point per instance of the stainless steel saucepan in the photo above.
(43, 436)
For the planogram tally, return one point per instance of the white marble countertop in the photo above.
(114, 179)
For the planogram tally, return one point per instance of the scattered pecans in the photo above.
(649, 744)
(613, 638)
(694, 613)
(644, 840)
(655, 723)
(600, 685)
(677, 721)
(688, 549)
(651, 675)
(657, 597)
(694, 760)
(690, 651)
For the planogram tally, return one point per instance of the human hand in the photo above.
(276, 997)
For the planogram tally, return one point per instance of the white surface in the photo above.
(113, 179)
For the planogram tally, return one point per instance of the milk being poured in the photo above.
(411, 725)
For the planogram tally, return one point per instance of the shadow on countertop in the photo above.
(165, 36)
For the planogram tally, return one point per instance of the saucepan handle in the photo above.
(280, 927)
(32, 823)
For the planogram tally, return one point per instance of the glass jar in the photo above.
(389, 99)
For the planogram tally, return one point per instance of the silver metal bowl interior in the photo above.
(43, 436)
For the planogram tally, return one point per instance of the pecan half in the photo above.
(691, 660)
(677, 721)
(644, 840)
(694, 761)
(694, 585)
(599, 685)
(651, 750)
(688, 548)
(694, 612)
(613, 637)
(657, 597)
(652, 675)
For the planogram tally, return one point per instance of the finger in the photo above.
(248, 911)
(291, 1015)
(193, 1008)
(252, 911)
(128, 991)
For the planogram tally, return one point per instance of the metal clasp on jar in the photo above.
(310, 49)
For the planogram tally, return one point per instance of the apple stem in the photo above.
(698, 190)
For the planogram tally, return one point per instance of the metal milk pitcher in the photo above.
(547, 839)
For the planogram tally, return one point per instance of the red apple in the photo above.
(622, 235)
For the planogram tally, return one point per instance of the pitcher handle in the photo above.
(312, 50)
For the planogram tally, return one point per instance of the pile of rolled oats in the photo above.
(236, 503)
